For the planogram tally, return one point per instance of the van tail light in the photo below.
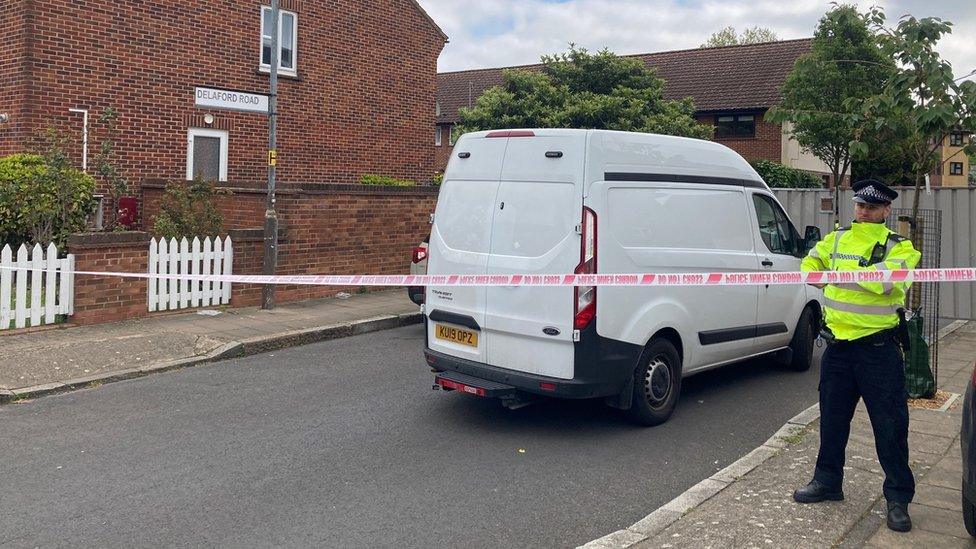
(419, 254)
(585, 296)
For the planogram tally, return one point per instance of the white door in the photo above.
(778, 249)
(677, 228)
(539, 204)
(460, 242)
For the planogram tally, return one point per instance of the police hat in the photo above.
(872, 191)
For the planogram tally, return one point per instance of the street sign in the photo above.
(272, 158)
(214, 98)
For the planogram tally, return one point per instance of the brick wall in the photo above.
(766, 145)
(108, 299)
(325, 229)
(14, 81)
(362, 101)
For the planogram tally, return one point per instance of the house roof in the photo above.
(717, 79)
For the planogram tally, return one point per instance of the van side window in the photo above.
(774, 227)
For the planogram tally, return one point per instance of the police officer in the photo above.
(862, 359)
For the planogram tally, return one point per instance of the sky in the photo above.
(496, 33)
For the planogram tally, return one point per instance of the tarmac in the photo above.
(748, 504)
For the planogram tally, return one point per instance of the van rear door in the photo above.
(460, 242)
(539, 205)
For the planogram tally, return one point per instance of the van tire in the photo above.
(802, 343)
(657, 383)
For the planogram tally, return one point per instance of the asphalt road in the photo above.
(344, 444)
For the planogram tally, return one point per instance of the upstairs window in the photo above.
(287, 41)
(955, 168)
(955, 140)
(735, 125)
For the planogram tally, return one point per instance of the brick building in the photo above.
(732, 88)
(356, 86)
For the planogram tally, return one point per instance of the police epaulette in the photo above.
(896, 237)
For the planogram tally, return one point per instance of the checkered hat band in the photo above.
(871, 192)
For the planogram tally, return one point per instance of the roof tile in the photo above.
(723, 78)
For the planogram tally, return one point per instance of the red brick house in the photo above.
(732, 88)
(342, 63)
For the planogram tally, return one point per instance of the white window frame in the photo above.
(204, 132)
(450, 135)
(437, 136)
(265, 67)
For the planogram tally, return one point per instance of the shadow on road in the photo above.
(730, 387)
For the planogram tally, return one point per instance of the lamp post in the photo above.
(270, 214)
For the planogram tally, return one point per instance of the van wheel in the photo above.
(657, 383)
(802, 343)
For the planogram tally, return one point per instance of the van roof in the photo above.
(652, 157)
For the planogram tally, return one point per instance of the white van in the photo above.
(557, 201)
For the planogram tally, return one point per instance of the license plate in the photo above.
(456, 335)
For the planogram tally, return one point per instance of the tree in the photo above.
(825, 92)
(728, 37)
(922, 98)
(106, 164)
(582, 90)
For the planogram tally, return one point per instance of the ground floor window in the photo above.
(206, 154)
(955, 168)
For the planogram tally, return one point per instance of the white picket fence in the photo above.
(35, 296)
(209, 257)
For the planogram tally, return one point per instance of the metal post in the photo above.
(270, 215)
(84, 138)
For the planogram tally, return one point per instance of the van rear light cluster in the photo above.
(419, 254)
(585, 296)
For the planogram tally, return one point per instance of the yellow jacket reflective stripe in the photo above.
(860, 309)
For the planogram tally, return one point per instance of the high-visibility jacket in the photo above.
(860, 309)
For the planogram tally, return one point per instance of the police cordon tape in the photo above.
(966, 274)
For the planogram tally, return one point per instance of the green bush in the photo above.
(188, 210)
(42, 198)
(373, 179)
(778, 175)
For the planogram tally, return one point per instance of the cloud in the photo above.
(493, 33)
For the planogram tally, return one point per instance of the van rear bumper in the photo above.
(603, 367)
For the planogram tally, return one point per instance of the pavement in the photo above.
(750, 504)
(64, 357)
(747, 504)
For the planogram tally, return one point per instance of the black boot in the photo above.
(816, 492)
(898, 519)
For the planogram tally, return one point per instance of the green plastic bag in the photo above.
(918, 374)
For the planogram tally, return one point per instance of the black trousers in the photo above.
(872, 369)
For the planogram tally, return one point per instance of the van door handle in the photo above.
(767, 263)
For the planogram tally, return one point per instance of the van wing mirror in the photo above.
(811, 237)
